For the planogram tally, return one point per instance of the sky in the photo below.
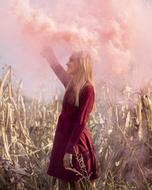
(117, 33)
(27, 63)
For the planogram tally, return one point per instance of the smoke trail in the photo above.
(116, 32)
(46, 29)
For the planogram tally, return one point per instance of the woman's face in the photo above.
(72, 66)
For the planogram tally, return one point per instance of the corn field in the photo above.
(120, 125)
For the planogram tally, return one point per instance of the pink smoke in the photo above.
(116, 32)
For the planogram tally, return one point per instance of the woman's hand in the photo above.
(67, 160)
(48, 53)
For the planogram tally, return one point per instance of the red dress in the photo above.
(72, 135)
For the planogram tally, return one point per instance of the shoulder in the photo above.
(88, 89)
(88, 86)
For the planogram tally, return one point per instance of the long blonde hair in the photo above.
(83, 75)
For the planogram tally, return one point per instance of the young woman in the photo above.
(73, 155)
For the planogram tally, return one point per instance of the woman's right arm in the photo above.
(60, 72)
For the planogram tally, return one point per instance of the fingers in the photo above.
(67, 163)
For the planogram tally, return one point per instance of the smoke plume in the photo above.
(117, 33)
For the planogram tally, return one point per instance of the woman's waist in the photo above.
(70, 121)
(68, 116)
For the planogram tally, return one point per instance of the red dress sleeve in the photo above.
(85, 107)
(63, 76)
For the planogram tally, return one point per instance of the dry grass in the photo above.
(121, 126)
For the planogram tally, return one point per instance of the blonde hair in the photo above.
(83, 75)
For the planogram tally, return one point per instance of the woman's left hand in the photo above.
(67, 160)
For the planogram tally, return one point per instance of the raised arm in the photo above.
(60, 72)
